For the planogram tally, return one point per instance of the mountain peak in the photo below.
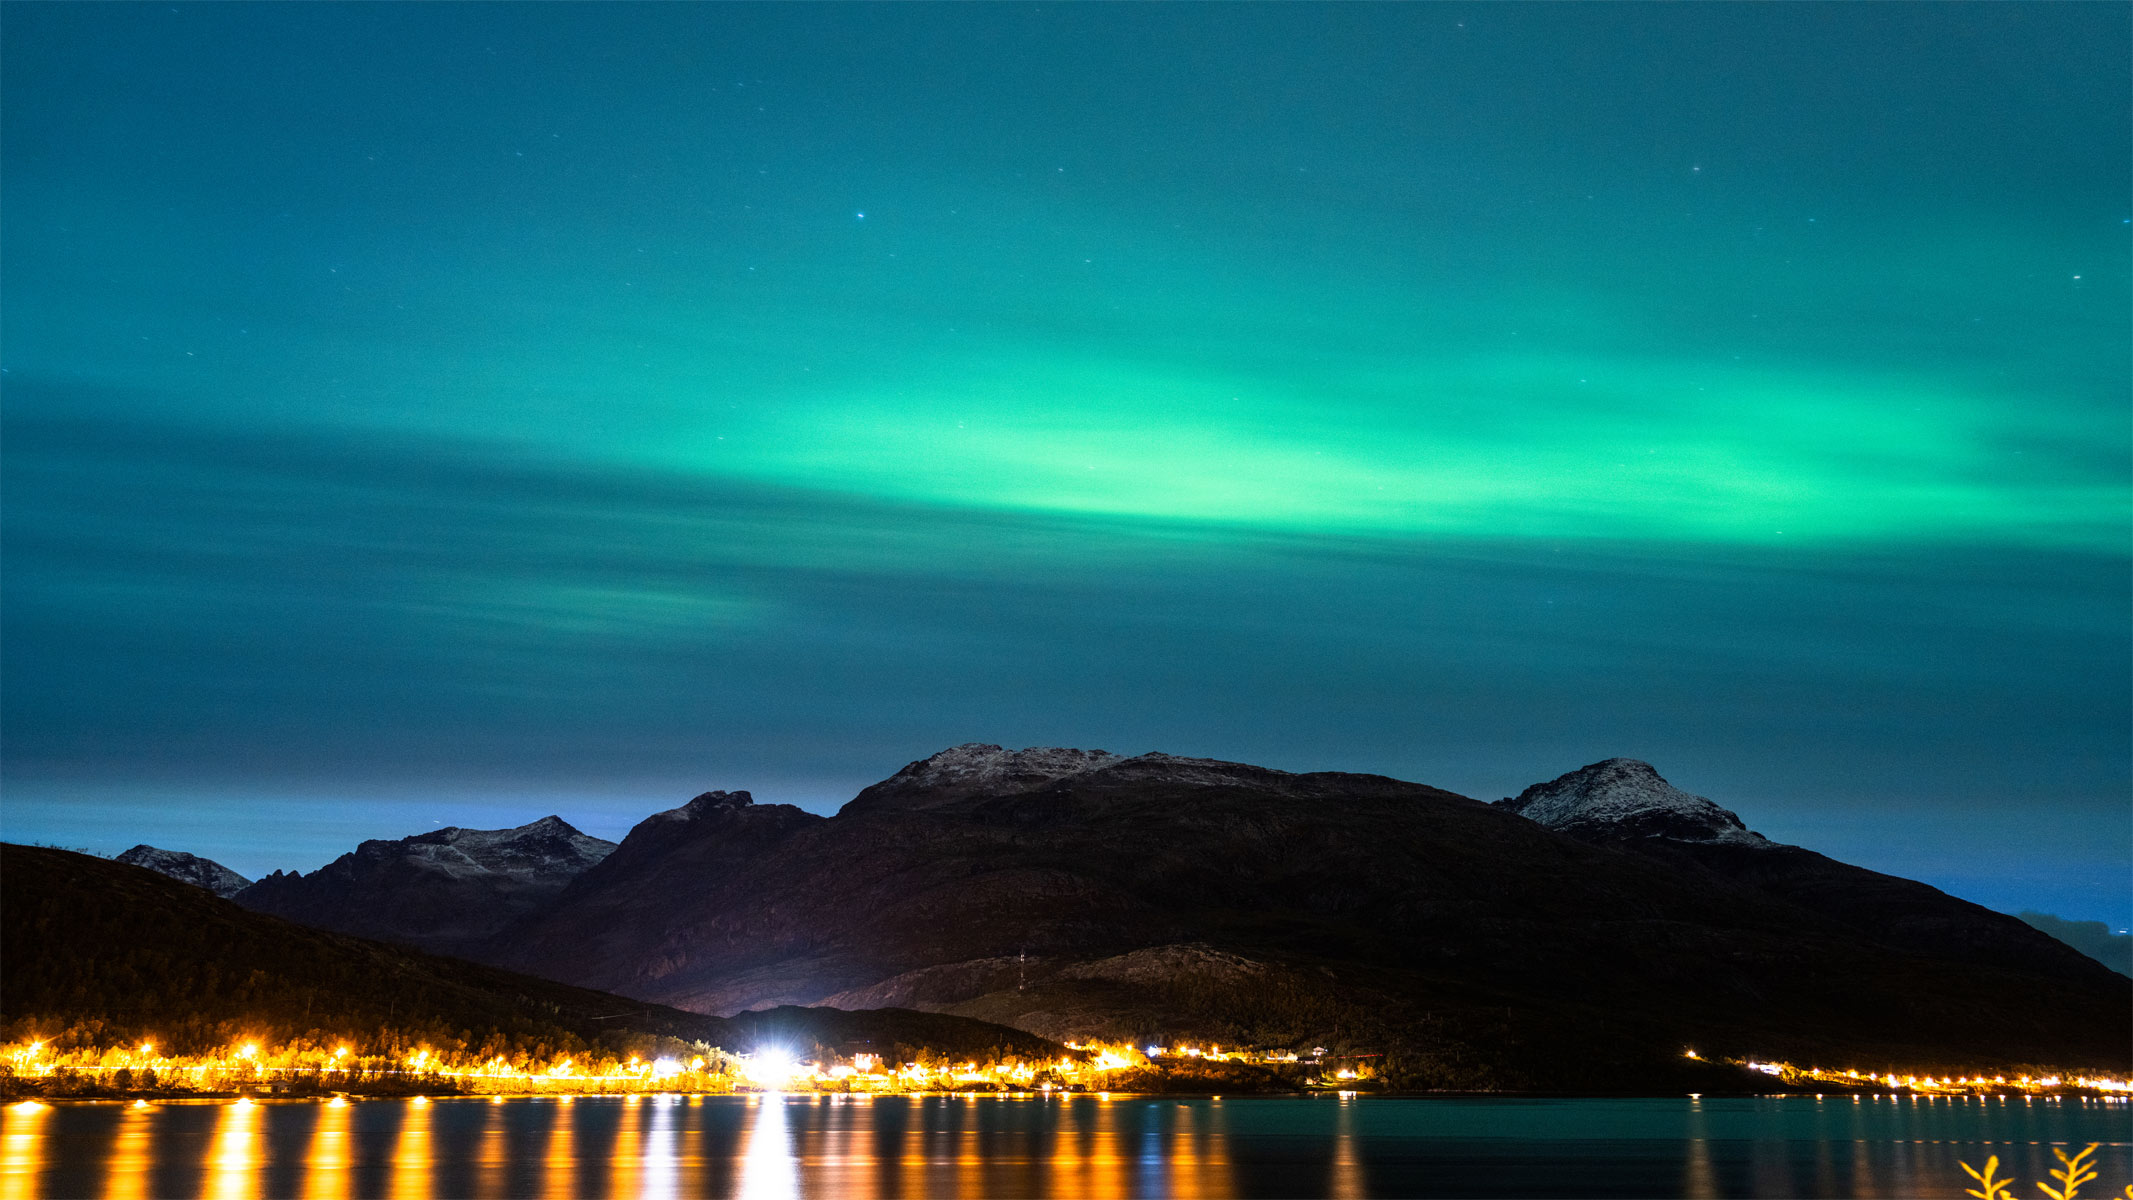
(709, 800)
(1627, 797)
(977, 768)
(187, 868)
(548, 837)
(668, 824)
(982, 771)
(974, 762)
(442, 890)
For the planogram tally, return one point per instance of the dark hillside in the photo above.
(88, 942)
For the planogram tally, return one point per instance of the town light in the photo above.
(770, 1067)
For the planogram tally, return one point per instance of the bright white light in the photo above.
(770, 1067)
(661, 1179)
(769, 1170)
(665, 1067)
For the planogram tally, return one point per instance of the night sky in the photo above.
(423, 414)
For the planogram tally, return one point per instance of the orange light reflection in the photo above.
(22, 1150)
(132, 1153)
(492, 1161)
(326, 1163)
(1348, 1182)
(561, 1172)
(626, 1156)
(412, 1155)
(233, 1161)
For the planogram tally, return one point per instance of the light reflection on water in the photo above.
(1347, 1182)
(131, 1153)
(327, 1159)
(412, 1153)
(22, 1140)
(660, 1176)
(562, 1161)
(1699, 1180)
(892, 1148)
(236, 1158)
(769, 1170)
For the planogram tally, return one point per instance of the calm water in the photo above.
(1069, 1147)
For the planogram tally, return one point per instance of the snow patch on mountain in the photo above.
(976, 769)
(1622, 797)
(1157, 767)
(994, 769)
(702, 806)
(444, 891)
(188, 868)
(984, 771)
(541, 851)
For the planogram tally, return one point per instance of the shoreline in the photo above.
(107, 1096)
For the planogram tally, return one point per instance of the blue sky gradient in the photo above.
(452, 414)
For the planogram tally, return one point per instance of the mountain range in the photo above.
(1580, 935)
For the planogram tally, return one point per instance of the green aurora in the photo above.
(475, 409)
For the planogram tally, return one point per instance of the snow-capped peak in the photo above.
(1622, 797)
(188, 868)
(549, 847)
(975, 764)
(977, 769)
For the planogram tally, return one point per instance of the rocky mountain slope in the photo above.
(1079, 893)
(1623, 798)
(445, 891)
(1623, 804)
(187, 868)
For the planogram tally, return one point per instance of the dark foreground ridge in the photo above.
(88, 944)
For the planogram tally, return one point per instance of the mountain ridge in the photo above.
(1627, 797)
(1087, 894)
(203, 873)
(1083, 894)
(445, 891)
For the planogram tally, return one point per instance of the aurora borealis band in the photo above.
(422, 414)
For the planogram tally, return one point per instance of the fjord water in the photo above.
(1082, 1146)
